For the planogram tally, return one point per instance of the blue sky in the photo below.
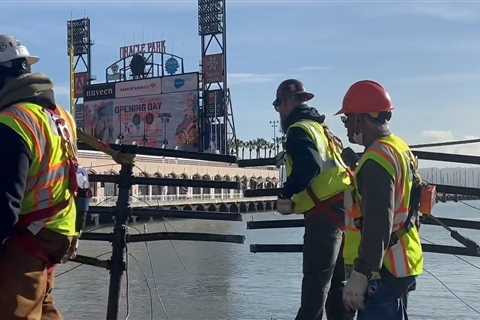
(427, 53)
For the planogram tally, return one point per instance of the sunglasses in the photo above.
(276, 104)
(346, 118)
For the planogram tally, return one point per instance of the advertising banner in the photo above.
(168, 120)
(213, 68)
(100, 120)
(137, 88)
(81, 81)
(178, 83)
(100, 91)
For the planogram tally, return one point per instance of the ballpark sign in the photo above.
(150, 47)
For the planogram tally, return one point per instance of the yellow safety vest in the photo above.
(405, 257)
(333, 177)
(48, 181)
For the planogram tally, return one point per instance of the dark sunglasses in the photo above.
(276, 103)
(345, 118)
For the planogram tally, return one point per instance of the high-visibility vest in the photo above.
(333, 177)
(49, 177)
(405, 257)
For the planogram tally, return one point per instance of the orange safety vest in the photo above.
(404, 257)
(50, 137)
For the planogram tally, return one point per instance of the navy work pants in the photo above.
(387, 298)
(323, 271)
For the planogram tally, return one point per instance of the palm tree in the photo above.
(277, 142)
(271, 147)
(241, 145)
(258, 146)
(263, 144)
(250, 146)
(234, 145)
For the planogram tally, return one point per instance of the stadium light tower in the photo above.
(216, 105)
(79, 51)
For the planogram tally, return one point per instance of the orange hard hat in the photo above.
(366, 96)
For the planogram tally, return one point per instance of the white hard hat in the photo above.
(11, 49)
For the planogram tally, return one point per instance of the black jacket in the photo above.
(302, 150)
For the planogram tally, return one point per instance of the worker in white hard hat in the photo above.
(38, 185)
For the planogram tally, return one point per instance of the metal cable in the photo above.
(127, 298)
(164, 307)
(446, 143)
(79, 265)
(456, 256)
(452, 292)
(153, 274)
(139, 265)
(165, 221)
(469, 205)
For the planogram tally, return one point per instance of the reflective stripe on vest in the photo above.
(405, 258)
(48, 181)
(333, 177)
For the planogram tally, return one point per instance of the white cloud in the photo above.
(314, 68)
(438, 135)
(433, 136)
(450, 12)
(442, 78)
(242, 78)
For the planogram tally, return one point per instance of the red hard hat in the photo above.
(366, 96)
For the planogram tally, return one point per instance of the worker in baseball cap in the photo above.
(317, 179)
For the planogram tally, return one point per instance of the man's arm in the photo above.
(377, 189)
(14, 164)
(305, 159)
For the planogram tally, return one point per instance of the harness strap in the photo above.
(38, 215)
(328, 207)
(30, 244)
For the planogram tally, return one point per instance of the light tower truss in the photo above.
(216, 122)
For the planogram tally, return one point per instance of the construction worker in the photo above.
(317, 179)
(382, 238)
(38, 174)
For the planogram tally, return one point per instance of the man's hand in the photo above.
(72, 250)
(354, 291)
(285, 206)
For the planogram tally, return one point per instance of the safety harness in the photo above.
(31, 224)
(333, 206)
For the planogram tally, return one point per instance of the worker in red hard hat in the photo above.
(382, 243)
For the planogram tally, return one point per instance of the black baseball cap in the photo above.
(292, 87)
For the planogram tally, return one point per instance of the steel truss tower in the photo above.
(217, 125)
(79, 50)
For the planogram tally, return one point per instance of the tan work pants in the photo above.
(26, 283)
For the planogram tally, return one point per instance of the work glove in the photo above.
(354, 291)
(285, 206)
